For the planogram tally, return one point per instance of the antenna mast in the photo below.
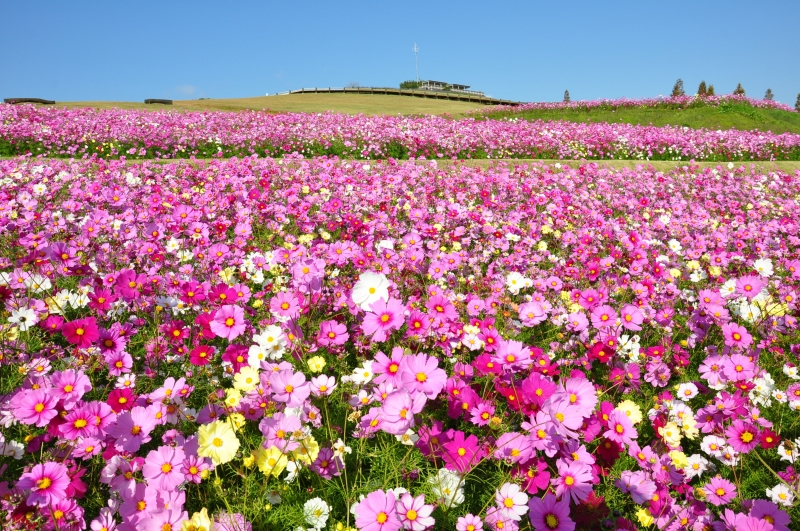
(416, 63)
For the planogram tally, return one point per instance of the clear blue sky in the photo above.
(520, 50)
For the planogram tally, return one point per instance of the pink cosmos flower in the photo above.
(82, 332)
(421, 374)
(78, 423)
(35, 406)
(469, 522)
(637, 485)
(719, 491)
(581, 394)
(47, 483)
(620, 428)
(511, 501)
(384, 317)
(323, 385)
(162, 468)
(133, 428)
(739, 367)
(69, 386)
(228, 322)
(749, 286)
(604, 317)
(574, 479)
(289, 387)
(285, 305)
(513, 355)
(332, 333)
(531, 313)
(414, 513)
(631, 317)
(441, 308)
(378, 512)
(736, 336)
(387, 369)
(397, 412)
(550, 514)
(327, 464)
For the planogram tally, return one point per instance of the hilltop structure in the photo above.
(448, 87)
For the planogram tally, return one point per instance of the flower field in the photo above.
(115, 133)
(672, 102)
(315, 343)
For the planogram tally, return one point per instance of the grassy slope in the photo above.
(737, 116)
(346, 103)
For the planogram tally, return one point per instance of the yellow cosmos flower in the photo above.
(246, 379)
(308, 450)
(316, 364)
(632, 410)
(270, 461)
(217, 441)
(645, 518)
(198, 522)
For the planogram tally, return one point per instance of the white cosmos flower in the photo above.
(369, 288)
(24, 318)
(316, 512)
(763, 266)
(781, 494)
(447, 487)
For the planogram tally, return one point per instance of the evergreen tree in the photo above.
(797, 103)
(566, 96)
(677, 90)
(768, 95)
(739, 90)
(702, 90)
(710, 91)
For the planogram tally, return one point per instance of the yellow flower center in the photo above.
(217, 442)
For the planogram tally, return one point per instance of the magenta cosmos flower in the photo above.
(384, 317)
(461, 453)
(289, 387)
(332, 333)
(82, 332)
(46, 482)
(736, 336)
(719, 491)
(228, 322)
(742, 436)
(69, 386)
(378, 512)
(414, 514)
(421, 374)
(549, 514)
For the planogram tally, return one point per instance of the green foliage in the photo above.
(411, 85)
(739, 90)
(702, 90)
(677, 89)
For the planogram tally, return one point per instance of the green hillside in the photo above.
(726, 116)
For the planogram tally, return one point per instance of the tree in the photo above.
(797, 103)
(677, 90)
(710, 91)
(566, 96)
(411, 84)
(702, 90)
(768, 95)
(353, 84)
(739, 90)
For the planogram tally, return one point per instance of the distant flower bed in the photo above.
(318, 344)
(671, 102)
(115, 133)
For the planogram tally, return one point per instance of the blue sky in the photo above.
(522, 50)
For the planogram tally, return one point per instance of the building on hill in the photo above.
(449, 87)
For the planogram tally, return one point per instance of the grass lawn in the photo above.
(731, 116)
(345, 103)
